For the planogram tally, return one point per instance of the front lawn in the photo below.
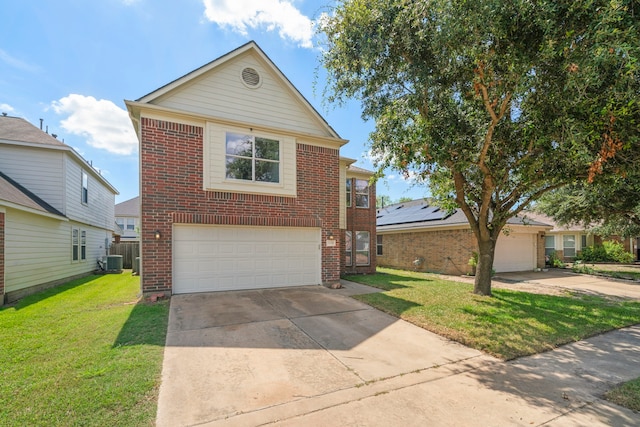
(86, 353)
(508, 325)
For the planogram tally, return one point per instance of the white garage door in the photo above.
(515, 252)
(219, 258)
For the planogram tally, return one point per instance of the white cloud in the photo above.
(6, 108)
(105, 125)
(272, 15)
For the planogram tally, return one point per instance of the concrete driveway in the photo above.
(313, 356)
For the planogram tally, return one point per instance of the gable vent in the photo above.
(250, 77)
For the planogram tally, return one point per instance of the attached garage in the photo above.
(515, 252)
(219, 258)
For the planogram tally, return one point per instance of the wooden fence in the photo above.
(128, 250)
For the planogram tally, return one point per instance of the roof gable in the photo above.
(243, 85)
(129, 207)
(20, 130)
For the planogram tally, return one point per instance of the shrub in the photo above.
(608, 251)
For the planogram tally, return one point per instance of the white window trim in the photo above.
(253, 159)
(214, 163)
(83, 245)
(564, 247)
(379, 245)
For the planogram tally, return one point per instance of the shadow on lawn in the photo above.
(147, 324)
(48, 293)
(386, 281)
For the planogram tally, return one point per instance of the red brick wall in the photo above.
(361, 219)
(2, 222)
(172, 192)
(442, 251)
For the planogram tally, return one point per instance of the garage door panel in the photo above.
(515, 252)
(211, 258)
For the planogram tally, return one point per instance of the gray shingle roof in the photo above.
(13, 192)
(129, 207)
(18, 129)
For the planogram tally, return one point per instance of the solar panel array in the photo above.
(406, 214)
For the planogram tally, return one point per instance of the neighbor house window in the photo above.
(75, 233)
(349, 192)
(362, 248)
(83, 245)
(378, 245)
(549, 245)
(120, 222)
(347, 248)
(131, 224)
(583, 241)
(362, 193)
(85, 187)
(252, 158)
(569, 246)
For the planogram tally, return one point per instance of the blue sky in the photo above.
(74, 62)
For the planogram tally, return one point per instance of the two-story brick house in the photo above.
(56, 211)
(241, 181)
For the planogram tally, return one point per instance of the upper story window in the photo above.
(85, 188)
(348, 192)
(362, 193)
(120, 222)
(252, 158)
(131, 224)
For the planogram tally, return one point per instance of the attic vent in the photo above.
(250, 77)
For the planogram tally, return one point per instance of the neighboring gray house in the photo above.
(56, 211)
(128, 220)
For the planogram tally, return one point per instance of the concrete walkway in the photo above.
(313, 356)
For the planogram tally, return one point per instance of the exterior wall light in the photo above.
(158, 235)
(330, 235)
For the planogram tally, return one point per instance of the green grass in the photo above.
(86, 353)
(608, 270)
(627, 395)
(508, 325)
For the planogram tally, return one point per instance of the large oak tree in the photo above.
(491, 102)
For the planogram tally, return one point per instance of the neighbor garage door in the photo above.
(515, 252)
(218, 258)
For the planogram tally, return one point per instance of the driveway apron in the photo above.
(233, 353)
(311, 356)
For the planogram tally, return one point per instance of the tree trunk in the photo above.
(484, 270)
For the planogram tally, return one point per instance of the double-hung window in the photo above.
(75, 238)
(362, 193)
(549, 245)
(120, 222)
(83, 245)
(131, 224)
(348, 192)
(378, 244)
(252, 158)
(569, 245)
(85, 188)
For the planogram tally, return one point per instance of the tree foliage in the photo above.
(492, 103)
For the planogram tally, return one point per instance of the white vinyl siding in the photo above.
(215, 164)
(99, 211)
(40, 171)
(38, 249)
(222, 94)
(217, 258)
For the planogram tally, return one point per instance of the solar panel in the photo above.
(408, 214)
